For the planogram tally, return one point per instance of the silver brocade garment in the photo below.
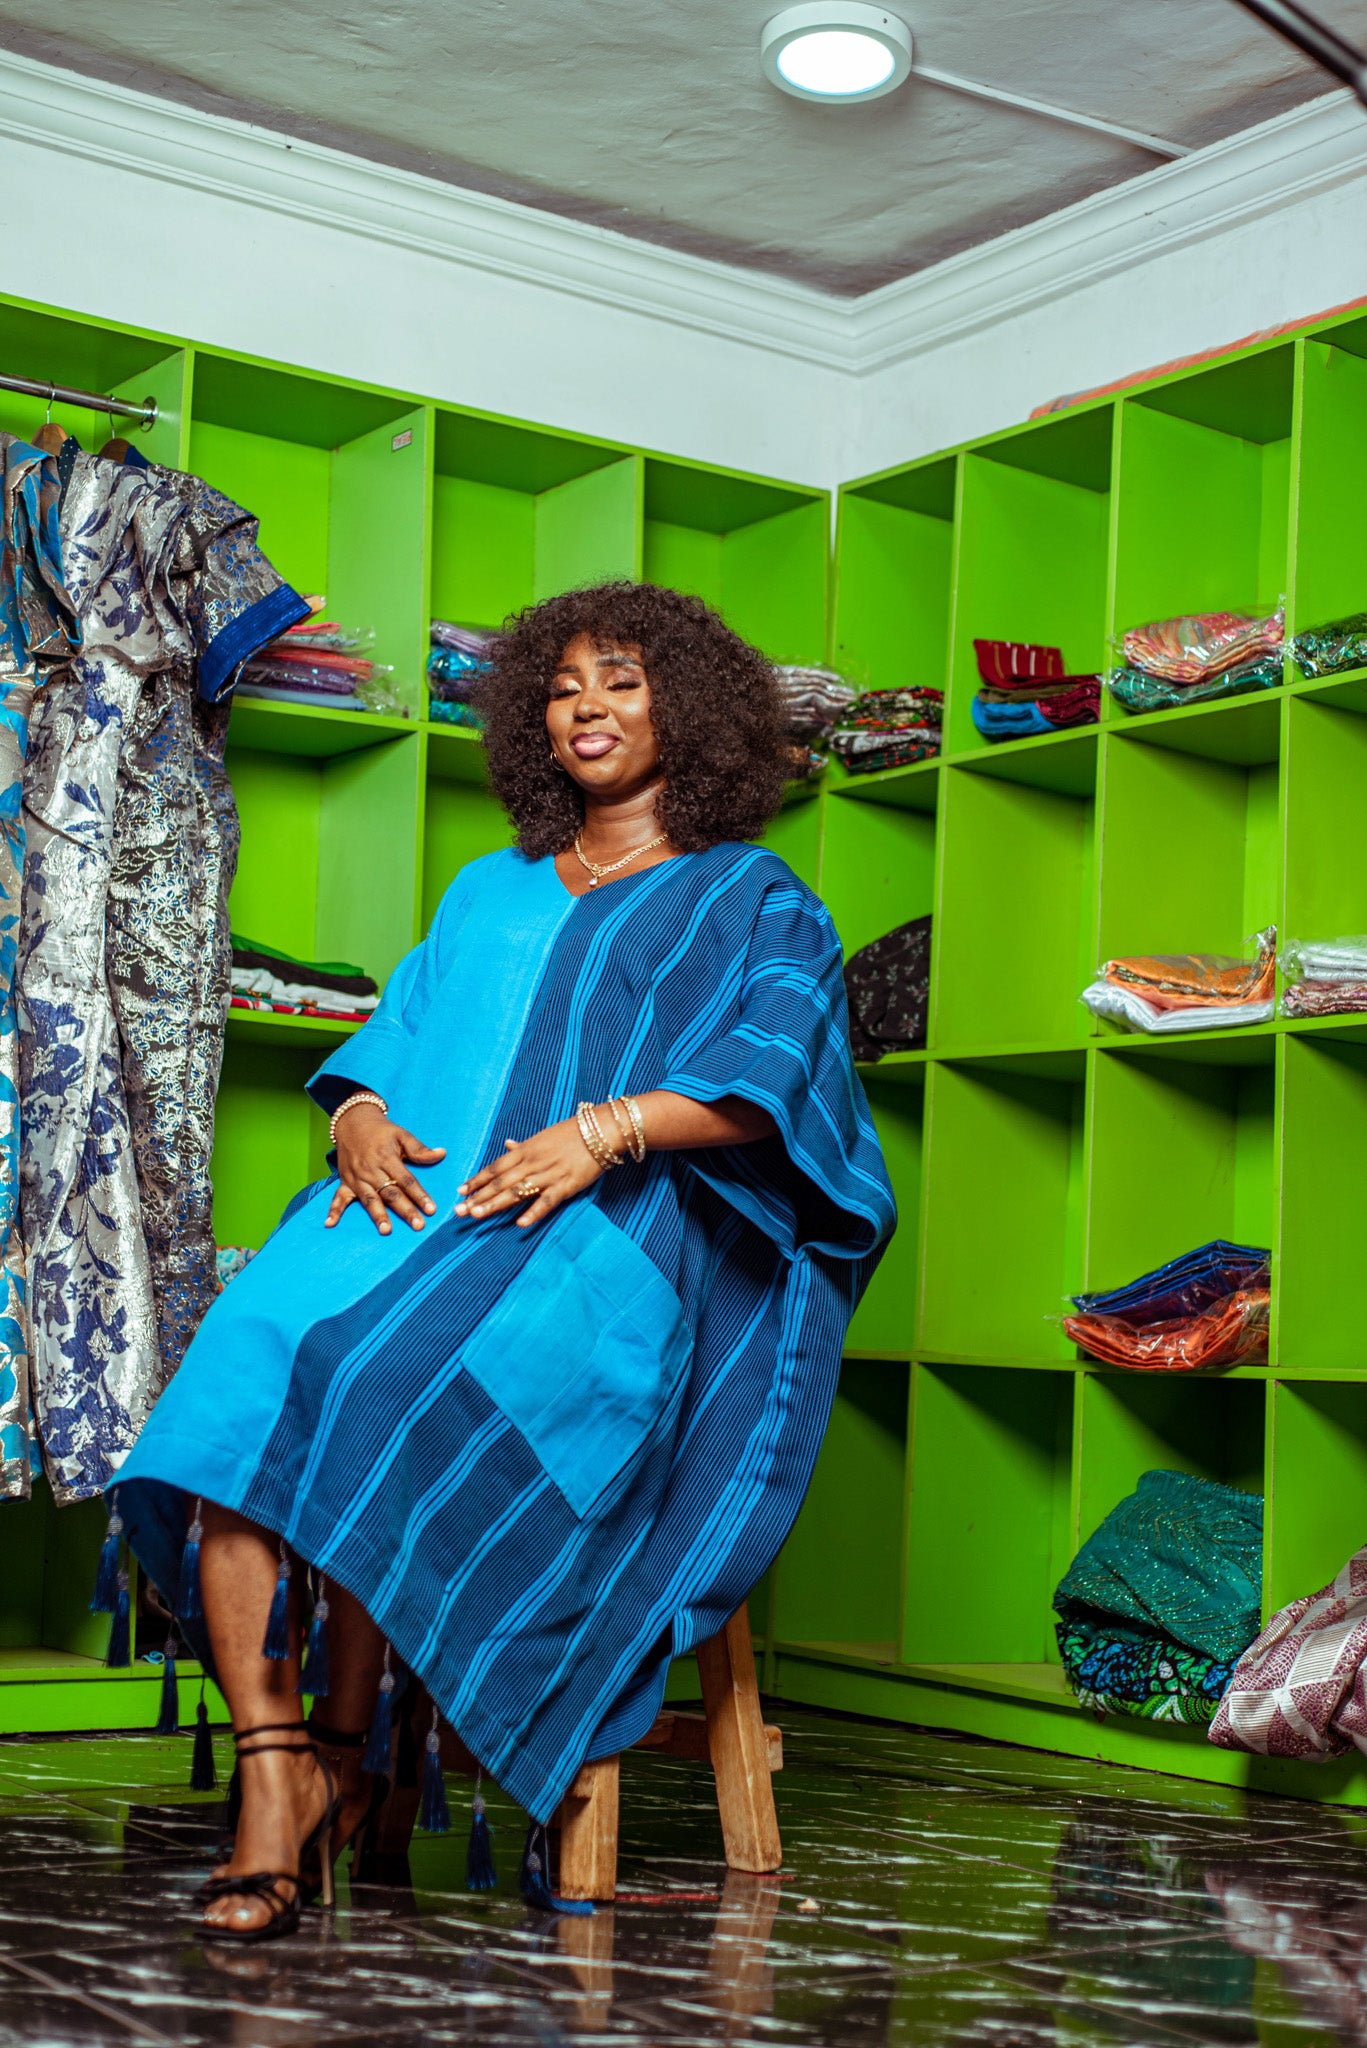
(35, 627)
(123, 972)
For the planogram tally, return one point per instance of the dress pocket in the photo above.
(584, 1353)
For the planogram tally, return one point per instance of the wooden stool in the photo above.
(744, 1754)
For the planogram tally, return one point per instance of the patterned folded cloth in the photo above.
(230, 1260)
(888, 987)
(1299, 1689)
(454, 674)
(1007, 661)
(1233, 1332)
(1139, 692)
(863, 753)
(1117, 1669)
(1181, 1557)
(1032, 691)
(1184, 1286)
(1326, 650)
(813, 698)
(1187, 991)
(1327, 977)
(1325, 999)
(1197, 645)
(443, 711)
(263, 977)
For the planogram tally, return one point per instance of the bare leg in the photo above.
(283, 1795)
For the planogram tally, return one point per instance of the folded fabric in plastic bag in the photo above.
(1298, 1690)
(1233, 1332)
(444, 711)
(1009, 661)
(467, 639)
(1325, 650)
(1197, 645)
(887, 984)
(1326, 977)
(455, 674)
(1116, 1668)
(1187, 991)
(1180, 1556)
(1139, 692)
(1183, 1286)
(813, 698)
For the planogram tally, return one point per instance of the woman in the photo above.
(538, 1391)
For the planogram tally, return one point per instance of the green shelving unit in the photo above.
(1035, 1151)
(353, 826)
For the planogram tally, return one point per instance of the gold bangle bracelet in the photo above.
(609, 1155)
(633, 1110)
(599, 1149)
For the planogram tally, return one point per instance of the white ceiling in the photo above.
(654, 119)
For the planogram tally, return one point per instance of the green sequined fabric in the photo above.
(1325, 650)
(1115, 1669)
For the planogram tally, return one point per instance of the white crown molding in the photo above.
(1260, 171)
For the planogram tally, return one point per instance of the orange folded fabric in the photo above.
(1232, 1332)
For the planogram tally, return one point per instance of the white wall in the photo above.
(159, 216)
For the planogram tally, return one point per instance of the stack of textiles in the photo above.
(1326, 977)
(889, 729)
(1329, 649)
(1178, 661)
(318, 663)
(263, 979)
(1300, 1689)
(1187, 991)
(887, 984)
(813, 699)
(1159, 1604)
(455, 668)
(1024, 691)
(1208, 1308)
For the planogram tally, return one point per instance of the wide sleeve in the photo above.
(375, 1056)
(231, 598)
(777, 1035)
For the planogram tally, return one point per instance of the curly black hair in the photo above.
(715, 708)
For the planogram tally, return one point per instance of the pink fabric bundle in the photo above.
(1298, 1690)
(1201, 644)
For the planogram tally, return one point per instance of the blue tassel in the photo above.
(168, 1718)
(480, 1875)
(434, 1814)
(105, 1598)
(376, 1758)
(277, 1643)
(189, 1599)
(118, 1656)
(532, 1877)
(313, 1678)
(202, 1775)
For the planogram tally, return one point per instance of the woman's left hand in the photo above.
(545, 1170)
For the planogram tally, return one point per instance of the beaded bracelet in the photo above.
(630, 1126)
(363, 1095)
(591, 1132)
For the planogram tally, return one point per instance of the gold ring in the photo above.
(525, 1190)
(386, 1184)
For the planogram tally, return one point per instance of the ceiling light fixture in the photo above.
(836, 50)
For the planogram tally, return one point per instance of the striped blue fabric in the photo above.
(548, 1461)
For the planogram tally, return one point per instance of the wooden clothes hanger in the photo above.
(51, 434)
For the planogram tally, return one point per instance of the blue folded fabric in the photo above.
(1183, 1287)
(1009, 721)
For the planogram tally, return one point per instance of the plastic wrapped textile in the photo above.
(230, 1260)
(467, 639)
(1126, 1006)
(1298, 1690)
(1181, 1556)
(1233, 1332)
(1325, 999)
(1186, 1286)
(1116, 1669)
(1325, 650)
(1007, 661)
(317, 700)
(442, 711)
(1139, 692)
(1008, 721)
(813, 698)
(1198, 645)
(1342, 959)
(454, 672)
(864, 753)
(316, 668)
(326, 634)
(887, 984)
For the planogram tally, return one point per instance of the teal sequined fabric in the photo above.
(1139, 691)
(1325, 650)
(1182, 1558)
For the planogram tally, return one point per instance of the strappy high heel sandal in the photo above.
(326, 1737)
(285, 1913)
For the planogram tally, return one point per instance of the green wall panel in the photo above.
(893, 594)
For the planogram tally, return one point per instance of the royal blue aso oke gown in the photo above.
(548, 1460)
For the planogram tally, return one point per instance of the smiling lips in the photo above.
(591, 746)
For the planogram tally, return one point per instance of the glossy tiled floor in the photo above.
(936, 1892)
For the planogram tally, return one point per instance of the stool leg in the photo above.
(740, 1749)
(588, 1832)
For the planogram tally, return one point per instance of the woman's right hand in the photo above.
(373, 1158)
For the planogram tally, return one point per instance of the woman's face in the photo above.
(598, 718)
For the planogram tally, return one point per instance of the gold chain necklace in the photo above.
(597, 869)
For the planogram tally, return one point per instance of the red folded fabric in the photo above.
(1007, 661)
(1233, 1332)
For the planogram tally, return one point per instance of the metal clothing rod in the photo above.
(1318, 41)
(65, 394)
